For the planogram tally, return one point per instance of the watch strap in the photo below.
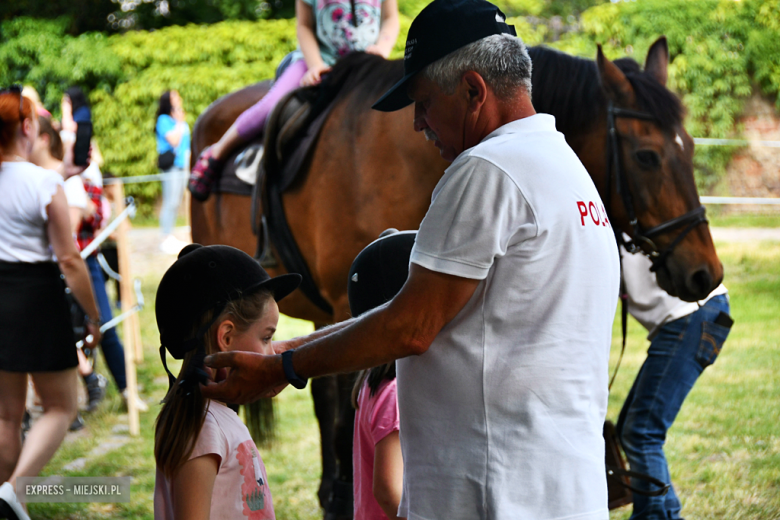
(289, 372)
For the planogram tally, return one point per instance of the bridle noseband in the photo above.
(639, 237)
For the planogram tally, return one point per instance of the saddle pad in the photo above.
(240, 171)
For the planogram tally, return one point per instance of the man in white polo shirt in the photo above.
(503, 328)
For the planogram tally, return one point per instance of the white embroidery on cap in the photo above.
(500, 18)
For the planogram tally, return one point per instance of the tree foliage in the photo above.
(718, 49)
(120, 15)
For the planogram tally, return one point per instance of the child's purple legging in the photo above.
(252, 121)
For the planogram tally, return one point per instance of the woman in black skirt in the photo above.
(36, 336)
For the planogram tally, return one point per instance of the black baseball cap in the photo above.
(444, 26)
(379, 271)
(205, 278)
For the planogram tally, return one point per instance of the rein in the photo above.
(639, 236)
(690, 220)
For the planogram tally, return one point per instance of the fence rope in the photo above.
(706, 141)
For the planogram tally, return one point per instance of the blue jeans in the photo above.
(678, 354)
(113, 351)
(172, 190)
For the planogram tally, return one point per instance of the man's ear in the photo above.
(475, 88)
(226, 332)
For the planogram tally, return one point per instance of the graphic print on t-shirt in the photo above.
(336, 28)
(253, 489)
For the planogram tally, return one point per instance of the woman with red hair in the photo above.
(36, 248)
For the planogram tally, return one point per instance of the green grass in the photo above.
(721, 216)
(723, 450)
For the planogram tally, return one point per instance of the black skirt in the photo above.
(36, 334)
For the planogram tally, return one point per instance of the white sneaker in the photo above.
(139, 403)
(171, 245)
(9, 505)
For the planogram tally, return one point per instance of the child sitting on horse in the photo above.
(376, 276)
(212, 299)
(327, 30)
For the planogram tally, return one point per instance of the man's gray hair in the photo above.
(501, 60)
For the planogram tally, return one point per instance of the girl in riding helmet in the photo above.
(376, 276)
(327, 30)
(212, 299)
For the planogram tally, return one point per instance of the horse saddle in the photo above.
(290, 135)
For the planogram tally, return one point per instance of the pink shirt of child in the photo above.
(375, 418)
(241, 487)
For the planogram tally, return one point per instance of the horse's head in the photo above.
(651, 189)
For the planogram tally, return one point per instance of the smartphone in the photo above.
(81, 147)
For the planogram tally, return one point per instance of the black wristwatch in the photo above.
(289, 372)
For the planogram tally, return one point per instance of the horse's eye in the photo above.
(648, 159)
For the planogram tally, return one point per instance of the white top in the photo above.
(647, 302)
(27, 191)
(502, 417)
(93, 174)
(75, 192)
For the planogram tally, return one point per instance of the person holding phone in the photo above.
(36, 246)
(173, 149)
(77, 124)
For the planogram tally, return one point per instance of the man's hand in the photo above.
(94, 336)
(250, 377)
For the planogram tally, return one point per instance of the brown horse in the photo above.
(371, 172)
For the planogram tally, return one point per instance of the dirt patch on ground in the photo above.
(145, 255)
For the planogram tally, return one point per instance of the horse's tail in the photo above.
(260, 420)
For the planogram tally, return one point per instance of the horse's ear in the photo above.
(613, 82)
(657, 61)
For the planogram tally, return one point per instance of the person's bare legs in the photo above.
(59, 397)
(13, 393)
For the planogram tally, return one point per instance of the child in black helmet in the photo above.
(212, 299)
(376, 276)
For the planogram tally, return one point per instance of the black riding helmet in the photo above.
(380, 270)
(205, 278)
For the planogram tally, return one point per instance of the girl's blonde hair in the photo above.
(181, 417)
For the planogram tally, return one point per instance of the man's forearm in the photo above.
(289, 344)
(357, 344)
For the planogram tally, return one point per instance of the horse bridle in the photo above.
(690, 219)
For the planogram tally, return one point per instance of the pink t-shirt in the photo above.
(375, 418)
(241, 487)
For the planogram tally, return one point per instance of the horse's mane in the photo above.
(364, 77)
(569, 89)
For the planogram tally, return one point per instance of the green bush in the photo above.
(720, 50)
(201, 62)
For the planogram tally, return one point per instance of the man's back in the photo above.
(502, 417)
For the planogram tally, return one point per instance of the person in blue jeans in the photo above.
(685, 338)
(173, 135)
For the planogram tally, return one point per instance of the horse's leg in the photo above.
(341, 504)
(324, 393)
